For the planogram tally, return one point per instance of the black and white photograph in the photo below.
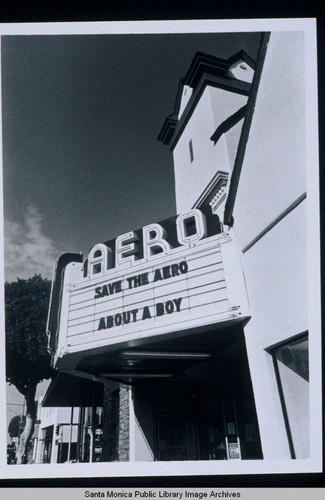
(161, 261)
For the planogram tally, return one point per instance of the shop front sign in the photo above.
(150, 284)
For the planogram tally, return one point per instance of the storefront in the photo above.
(69, 422)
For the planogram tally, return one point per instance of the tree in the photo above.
(16, 426)
(27, 358)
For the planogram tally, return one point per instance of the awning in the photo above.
(67, 390)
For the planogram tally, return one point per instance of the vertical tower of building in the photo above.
(204, 130)
(238, 143)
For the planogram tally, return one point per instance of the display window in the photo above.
(291, 364)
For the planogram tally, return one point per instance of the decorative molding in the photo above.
(218, 198)
(168, 129)
(215, 81)
(204, 70)
(204, 63)
(207, 63)
(241, 55)
(215, 193)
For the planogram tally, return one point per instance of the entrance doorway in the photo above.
(218, 430)
(205, 412)
(174, 440)
(210, 432)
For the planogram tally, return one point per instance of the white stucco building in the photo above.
(197, 327)
(245, 157)
(56, 435)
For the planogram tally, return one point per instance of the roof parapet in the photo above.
(203, 66)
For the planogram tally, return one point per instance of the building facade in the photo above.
(194, 330)
(259, 194)
(67, 434)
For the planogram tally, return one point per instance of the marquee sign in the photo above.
(149, 285)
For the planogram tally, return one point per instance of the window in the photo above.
(190, 145)
(292, 373)
(47, 444)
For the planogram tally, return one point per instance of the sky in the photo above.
(81, 116)
(81, 160)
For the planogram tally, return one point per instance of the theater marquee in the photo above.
(154, 283)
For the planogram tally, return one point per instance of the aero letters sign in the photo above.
(148, 286)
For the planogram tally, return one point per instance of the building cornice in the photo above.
(204, 63)
(204, 70)
(168, 129)
(219, 180)
(175, 127)
(241, 55)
